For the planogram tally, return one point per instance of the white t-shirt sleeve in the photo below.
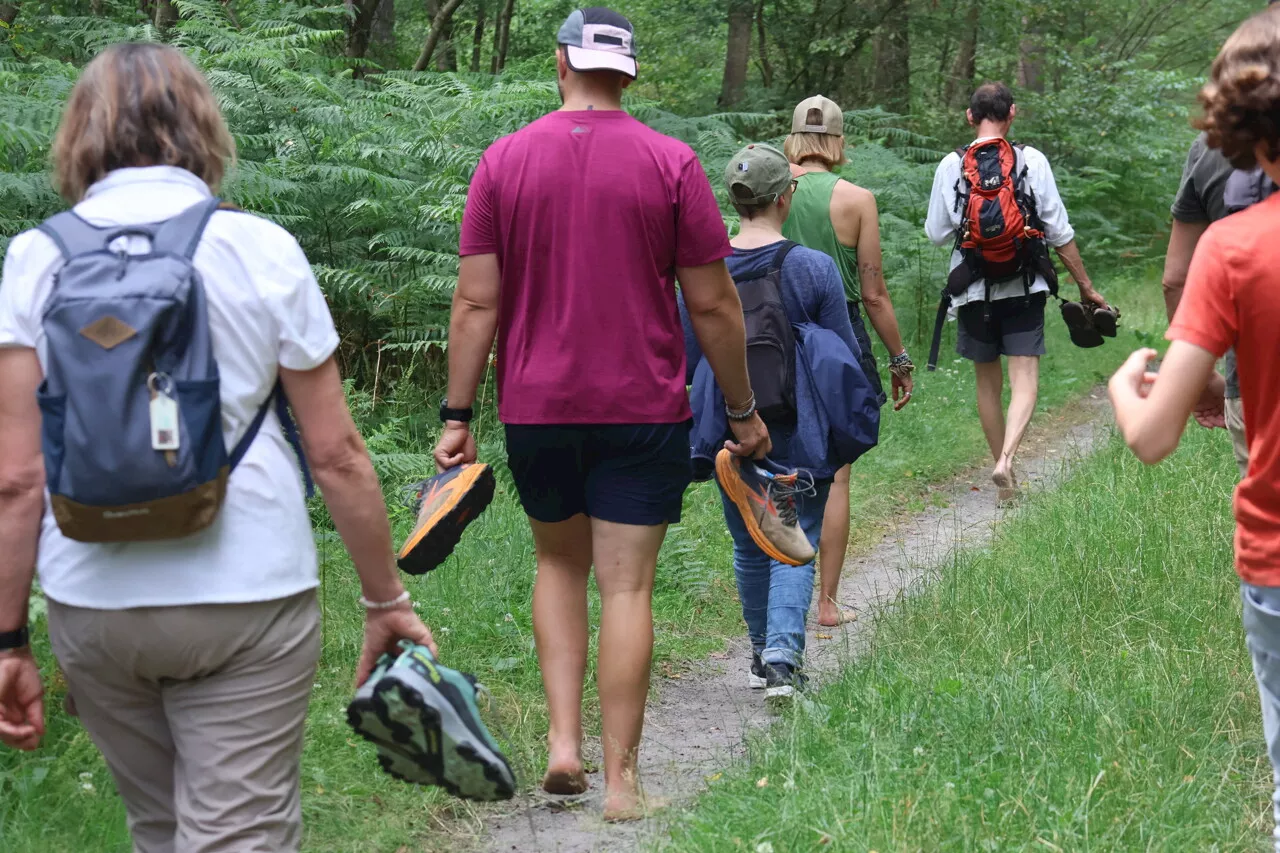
(940, 224)
(306, 332)
(1053, 213)
(26, 268)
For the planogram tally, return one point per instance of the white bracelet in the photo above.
(385, 605)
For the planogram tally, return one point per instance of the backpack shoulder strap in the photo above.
(780, 256)
(277, 399)
(181, 234)
(72, 235)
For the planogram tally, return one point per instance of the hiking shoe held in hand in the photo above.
(1105, 321)
(1079, 320)
(445, 504)
(765, 494)
(757, 677)
(424, 720)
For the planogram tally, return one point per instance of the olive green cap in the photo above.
(758, 174)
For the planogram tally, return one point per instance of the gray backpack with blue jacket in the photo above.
(131, 410)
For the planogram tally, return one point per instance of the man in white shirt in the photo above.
(1012, 323)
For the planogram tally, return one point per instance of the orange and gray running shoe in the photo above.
(765, 494)
(446, 504)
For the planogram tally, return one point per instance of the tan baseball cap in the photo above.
(818, 115)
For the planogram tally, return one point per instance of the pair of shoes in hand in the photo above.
(1089, 324)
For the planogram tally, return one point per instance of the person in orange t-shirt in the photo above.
(1232, 298)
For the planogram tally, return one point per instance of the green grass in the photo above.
(478, 605)
(1081, 685)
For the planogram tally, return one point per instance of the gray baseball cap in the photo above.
(598, 39)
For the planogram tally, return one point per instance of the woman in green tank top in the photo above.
(835, 217)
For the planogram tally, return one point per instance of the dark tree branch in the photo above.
(437, 29)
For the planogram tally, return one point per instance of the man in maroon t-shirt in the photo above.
(575, 232)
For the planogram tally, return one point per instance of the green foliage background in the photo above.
(370, 170)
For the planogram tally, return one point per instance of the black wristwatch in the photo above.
(448, 414)
(19, 639)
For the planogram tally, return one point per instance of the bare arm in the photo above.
(875, 292)
(857, 224)
(1069, 253)
(1152, 410)
(21, 482)
(716, 315)
(21, 509)
(715, 312)
(473, 324)
(1183, 237)
(351, 491)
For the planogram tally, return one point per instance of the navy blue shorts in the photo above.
(626, 474)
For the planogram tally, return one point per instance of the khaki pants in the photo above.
(199, 712)
(1235, 425)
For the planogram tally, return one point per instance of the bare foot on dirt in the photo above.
(565, 772)
(831, 615)
(1005, 480)
(624, 806)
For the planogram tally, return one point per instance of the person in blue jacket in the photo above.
(776, 596)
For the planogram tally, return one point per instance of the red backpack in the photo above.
(1001, 235)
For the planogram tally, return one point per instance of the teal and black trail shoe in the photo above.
(423, 718)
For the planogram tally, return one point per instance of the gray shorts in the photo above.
(1011, 327)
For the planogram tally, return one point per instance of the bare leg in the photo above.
(1024, 382)
(560, 633)
(990, 378)
(625, 557)
(832, 546)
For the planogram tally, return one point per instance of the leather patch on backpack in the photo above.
(108, 332)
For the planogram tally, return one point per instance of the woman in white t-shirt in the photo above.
(190, 661)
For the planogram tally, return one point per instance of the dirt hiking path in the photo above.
(697, 724)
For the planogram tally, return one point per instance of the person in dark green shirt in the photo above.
(840, 219)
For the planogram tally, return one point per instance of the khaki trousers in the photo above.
(1234, 414)
(199, 712)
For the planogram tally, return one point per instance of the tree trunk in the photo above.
(737, 53)
(447, 54)
(477, 37)
(502, 35)
(762, 43)
(960, 81)
(8, 14)
(166, 15)
(446, 58)
(360, 26)
(1031, 57)
(384, 27)
(442, 18)
(891, 81)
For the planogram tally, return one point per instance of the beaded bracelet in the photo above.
(743, 414)
(385, 605)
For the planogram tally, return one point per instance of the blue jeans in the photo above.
(1262, 635)
(775, 596)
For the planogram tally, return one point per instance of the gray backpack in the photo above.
(130, 404)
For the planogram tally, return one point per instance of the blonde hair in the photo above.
(815, 146)
(139, 105)
(1242, 98)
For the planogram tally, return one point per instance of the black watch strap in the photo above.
(18, 639)
(448, 414)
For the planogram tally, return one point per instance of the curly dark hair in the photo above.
(1242, 98)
